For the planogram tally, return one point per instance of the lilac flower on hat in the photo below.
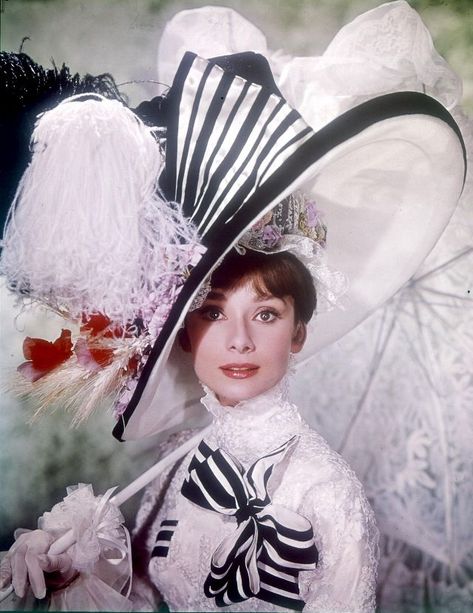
(271, 236)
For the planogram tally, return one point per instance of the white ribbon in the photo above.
(97, 525)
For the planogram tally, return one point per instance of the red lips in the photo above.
(239, 371)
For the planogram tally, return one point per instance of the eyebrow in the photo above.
(263, 297)
(222, 296)
(216, 295)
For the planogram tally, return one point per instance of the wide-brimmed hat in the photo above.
(387, 175)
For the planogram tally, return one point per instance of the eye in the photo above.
(267, 315)
(211, 313)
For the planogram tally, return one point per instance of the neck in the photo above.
(254, 426)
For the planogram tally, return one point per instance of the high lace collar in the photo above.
(256, 426)
(261, 404)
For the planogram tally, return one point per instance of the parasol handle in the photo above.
(142, 481)
(66, 540)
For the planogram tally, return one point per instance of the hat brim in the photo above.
(387, 175)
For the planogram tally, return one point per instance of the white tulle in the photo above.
(97, 525)
(383, 50)
(101, 553)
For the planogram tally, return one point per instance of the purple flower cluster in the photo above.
(271, 236)
(154, 313)
(312, 214)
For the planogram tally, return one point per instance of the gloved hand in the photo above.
(27, 561)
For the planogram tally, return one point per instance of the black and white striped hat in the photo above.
(387, 174)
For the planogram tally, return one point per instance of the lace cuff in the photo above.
(102, 542)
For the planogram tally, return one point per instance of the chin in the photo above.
(238, 391)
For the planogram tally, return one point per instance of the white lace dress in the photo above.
(312, 481)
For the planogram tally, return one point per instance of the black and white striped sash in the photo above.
(271, 543)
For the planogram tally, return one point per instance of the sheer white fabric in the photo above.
(101, 552)
(316, 482)
(383, 50)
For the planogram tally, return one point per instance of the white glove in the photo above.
(97, 531)
(27, 561)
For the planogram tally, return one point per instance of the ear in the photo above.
(298, 338)
(184, 341)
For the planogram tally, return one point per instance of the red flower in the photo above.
(89, 353)
(44, 356)
(91, 357)
(99, 324)
(95, 324)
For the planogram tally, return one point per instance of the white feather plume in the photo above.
(88, 230)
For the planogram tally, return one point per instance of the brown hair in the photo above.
(281, 274)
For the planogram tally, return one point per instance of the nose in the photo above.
(239, 337)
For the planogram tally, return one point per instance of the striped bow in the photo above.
(271, 544)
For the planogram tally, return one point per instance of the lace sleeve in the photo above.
(144, 595)
(347, 539)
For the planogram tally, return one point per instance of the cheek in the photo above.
(197, 331)
(275, 345)
(280, 357)
(203, 347)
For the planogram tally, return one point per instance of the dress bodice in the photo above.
(313, 482)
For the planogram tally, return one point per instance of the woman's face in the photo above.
(241, 341)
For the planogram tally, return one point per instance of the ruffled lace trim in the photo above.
(97, 525)
(261, 404)
(239, 429)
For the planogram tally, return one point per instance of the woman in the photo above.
(304, 530)
(298, 518)
(234, 151)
